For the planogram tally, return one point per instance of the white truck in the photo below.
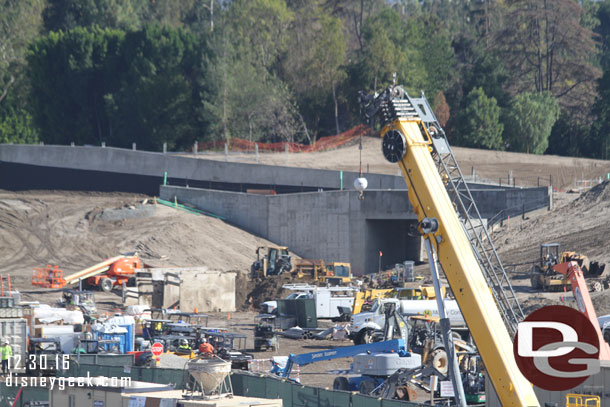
(327, 299)
(364, 324)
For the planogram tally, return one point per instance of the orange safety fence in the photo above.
(324, 143)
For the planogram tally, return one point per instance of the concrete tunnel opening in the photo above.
(391, 237)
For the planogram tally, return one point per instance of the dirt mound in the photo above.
(267, 289)
(598, 194)
(77, 230)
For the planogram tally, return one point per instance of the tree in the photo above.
(353, 14)
(314, 63)
(603, 30)
(260, 26)
(573, 139)
(431, 38)
(391, 45)
(441, 109)
(529, 121)
(94, 85)
(600, 131)
(17, 128)
(247, 99)
(20, 22)
(158, 96)
(547, 49)
(68, 81)
(480, 122)
(65, 15)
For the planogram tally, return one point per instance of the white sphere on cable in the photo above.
(360, 184)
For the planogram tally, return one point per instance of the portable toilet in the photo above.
(128, 322)
(111, 332)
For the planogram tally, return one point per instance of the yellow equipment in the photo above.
(582, 400)
(407, 141)
(544, 277)
(363, 297)
(418, 293)
(271, 260)
(337, 273)
(333, 273)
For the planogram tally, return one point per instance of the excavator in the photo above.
(451, 224)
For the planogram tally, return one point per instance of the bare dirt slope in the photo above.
(580, 223)
(77, 230)
(488, 165)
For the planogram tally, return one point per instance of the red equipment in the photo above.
(49, 277)
(583, 300)
(107, 274)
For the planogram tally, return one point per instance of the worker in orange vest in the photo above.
(205, 347)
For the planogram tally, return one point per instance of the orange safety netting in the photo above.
(324, 143)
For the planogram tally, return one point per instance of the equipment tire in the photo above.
(597, 287)
(106, 285)
(367, 386)
(439, 360)
(341, 383)
(364, 337)
(535, 281)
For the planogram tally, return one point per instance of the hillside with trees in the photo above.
(520, 75)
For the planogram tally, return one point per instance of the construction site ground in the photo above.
(77, 229)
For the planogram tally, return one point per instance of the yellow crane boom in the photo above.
(407, 142)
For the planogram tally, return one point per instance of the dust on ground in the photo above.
(492, 166)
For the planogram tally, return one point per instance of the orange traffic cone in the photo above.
(195, 310)
(229, 316)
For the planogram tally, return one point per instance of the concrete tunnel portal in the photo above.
(396, 239)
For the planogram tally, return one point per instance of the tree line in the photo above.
(519, 75)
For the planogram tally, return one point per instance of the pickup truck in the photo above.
(364, 324)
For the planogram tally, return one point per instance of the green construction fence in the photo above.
(244, 384)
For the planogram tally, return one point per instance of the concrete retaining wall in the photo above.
(336, 225)
(181, 169)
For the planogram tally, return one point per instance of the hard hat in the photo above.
(6, 342)
(204, 340)
(184, 342)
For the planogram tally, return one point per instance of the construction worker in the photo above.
(206, 347)
(184, 346)
(7, 353)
